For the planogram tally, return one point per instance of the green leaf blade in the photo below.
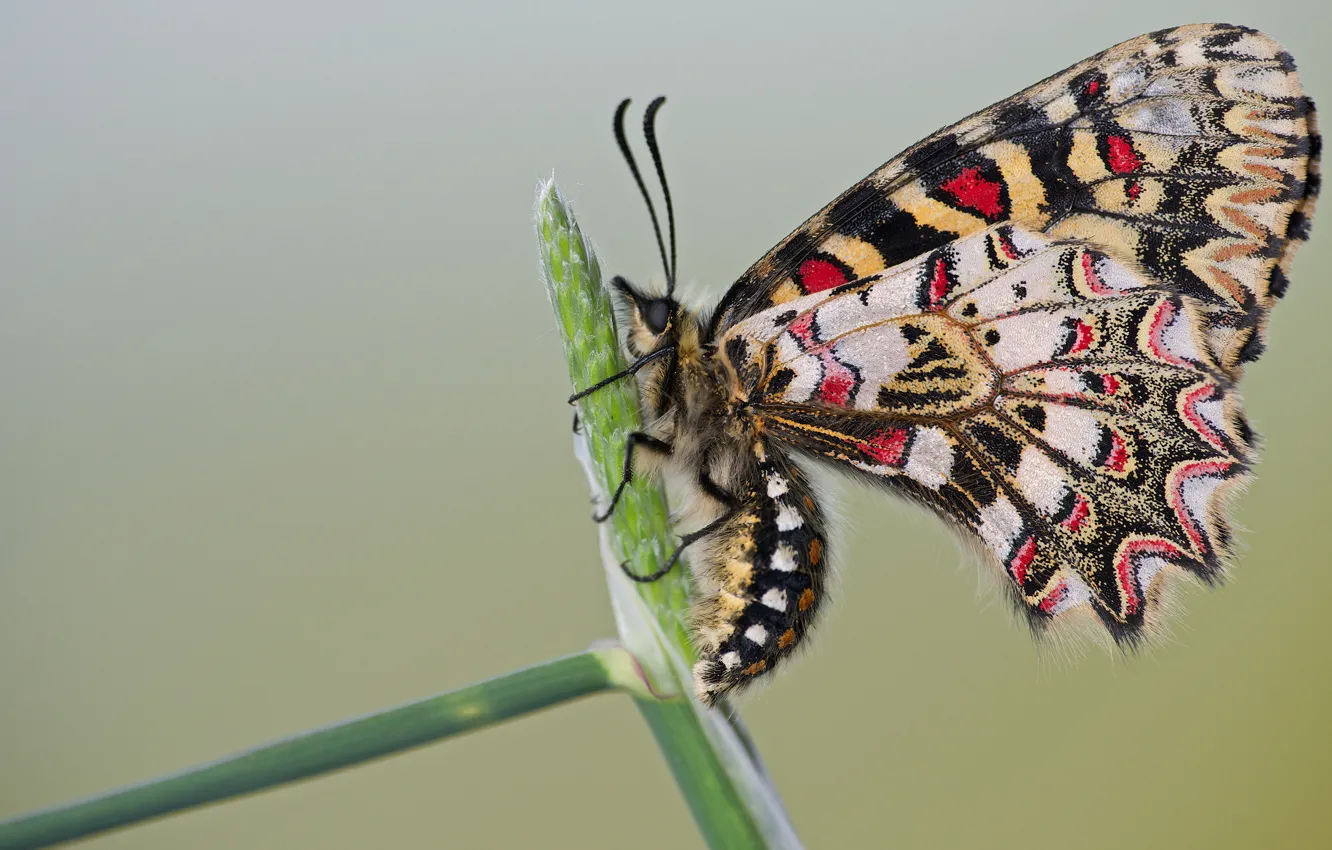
(321, 751)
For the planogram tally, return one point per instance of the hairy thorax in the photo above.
(699, 413)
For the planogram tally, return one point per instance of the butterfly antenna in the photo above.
(650, 131)
(638, 178)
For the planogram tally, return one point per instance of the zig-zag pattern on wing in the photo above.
(1189, 153)
(1058, 405)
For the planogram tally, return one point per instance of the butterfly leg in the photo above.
(716, 491)
(632, 369)
(633, 441)
(685, 542)
(713, 489)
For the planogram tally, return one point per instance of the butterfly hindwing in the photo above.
(1189, 153)
(1061, 407)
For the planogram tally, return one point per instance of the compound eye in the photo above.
(658, 314)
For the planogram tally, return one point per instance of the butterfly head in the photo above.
(653, 322)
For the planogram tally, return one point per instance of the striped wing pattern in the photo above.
(1189, 153)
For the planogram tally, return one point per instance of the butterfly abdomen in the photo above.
(761, 585)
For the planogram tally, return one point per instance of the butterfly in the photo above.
(1032, 322)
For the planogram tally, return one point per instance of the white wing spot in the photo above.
(777, 486)
(1041, 480)
(1076, 593)
(730, 660)
(1178, 338)
(1000, 525)
(931, 459)
(756, 634)
(1148, 569)
(1073, 431)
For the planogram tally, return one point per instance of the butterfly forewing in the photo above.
(1187, 152)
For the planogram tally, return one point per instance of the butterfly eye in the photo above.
(657, 314)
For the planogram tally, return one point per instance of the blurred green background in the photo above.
(284, 437)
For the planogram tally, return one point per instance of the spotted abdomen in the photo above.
(761, 582)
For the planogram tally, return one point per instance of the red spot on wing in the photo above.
(1162, 318)
(817, 274)
(1079, 338)
(1127, 561)
(1022, 559)
(1111, 384)
(887, 446)
(1054, 597)
(1196, 469)
(1122, 158)
(1124, 573)
(1094, 282)
(1006, 246)
(1078, 515)
(1093, 87)
(938, 283)
(1134, 190)
(803, 329)
(1206, 392)
(1118, 457)
(837, 384)
(974, 191)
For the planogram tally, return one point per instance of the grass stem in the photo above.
(320, 751)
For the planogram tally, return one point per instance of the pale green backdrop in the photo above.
(283, 438)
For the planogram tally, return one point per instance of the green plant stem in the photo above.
(650, 618)
(728, 793)
(718, 807)
(331, 748)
